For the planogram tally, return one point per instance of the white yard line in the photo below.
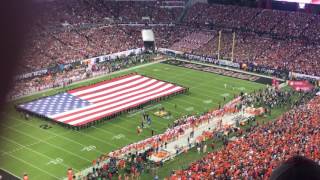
(100, 129)
(57, 147)
(41, 154)
(24, 146)
(60, 135)
(44, 171)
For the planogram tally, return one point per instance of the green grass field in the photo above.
(46, 154)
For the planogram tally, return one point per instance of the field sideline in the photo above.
(46, 154)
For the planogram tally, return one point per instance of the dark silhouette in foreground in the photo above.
(297, 168)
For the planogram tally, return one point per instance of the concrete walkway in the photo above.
(182, 141)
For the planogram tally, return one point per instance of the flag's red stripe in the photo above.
(106, 109)
(135, 105)
(110, 103)
(113, 91)
(100, 83)
(128, 92)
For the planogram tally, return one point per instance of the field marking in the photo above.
(168, 117)
(59, 135)
(92, 137)
(57, 161)
(37, 152)
(241, 88)
(20, 148)
(44, 171)
(118, 137)
(89, 148)
(57, 147)
(207, 101)
(112, 134)
(225, 95)
(189, 108)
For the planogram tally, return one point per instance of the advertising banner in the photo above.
(301, 85)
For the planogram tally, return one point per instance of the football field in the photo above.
(48, 153)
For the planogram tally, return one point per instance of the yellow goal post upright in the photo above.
(219, 44)
(233, 45)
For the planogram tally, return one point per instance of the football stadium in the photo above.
(166, 89)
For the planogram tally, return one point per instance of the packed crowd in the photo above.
(251, 48)
(192, 41)
(78, 42)
(81, 32)
(65, 47)
(283, 23)
(49, 49)
(265, 147)
(73, 12)
(72, 30)
(75, 45)
(294, 48)
(70, 44)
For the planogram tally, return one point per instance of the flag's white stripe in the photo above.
(83, 108)
(77, 93)
(124, 106)
(114, 104)
(108, 91)
(131, 89)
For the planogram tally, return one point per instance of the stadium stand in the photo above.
(263, 149)
(78, 43)
(280, 40)
(70, 35)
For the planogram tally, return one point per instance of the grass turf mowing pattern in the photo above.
(46, 154)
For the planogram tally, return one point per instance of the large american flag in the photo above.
(87, 104)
